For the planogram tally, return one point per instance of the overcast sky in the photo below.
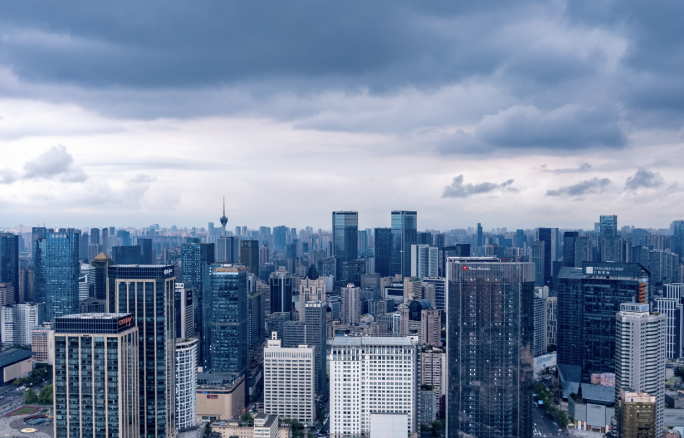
(515, 114)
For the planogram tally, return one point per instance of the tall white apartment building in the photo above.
(433, 371)
(640, 355)
(371, 375)
(186, 382)
(7, 325)
(27, 316)
(310, 290)
(350, 307)
(289, 381)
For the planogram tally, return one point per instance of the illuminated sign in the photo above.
(167, 271)
(126, 321)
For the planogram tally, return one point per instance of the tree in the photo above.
(438, 428)
(45, 396)
(30, 397)
(246, 418)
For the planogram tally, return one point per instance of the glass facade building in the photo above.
(383, 249)
(9, 262)
(345, 235)
(96, 376)
(280, 283)
(605, 286)
(57, 270)
(404, 234)
(226, 318)
(147, 292)
(570, 317)
(194, 258)
(489, 355)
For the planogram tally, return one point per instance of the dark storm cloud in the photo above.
(55, 163)
(591, 186)
(643, 179)
(459, 190)
(566, 76)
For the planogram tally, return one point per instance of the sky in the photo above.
(514, 114)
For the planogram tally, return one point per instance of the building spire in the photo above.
(224, 219)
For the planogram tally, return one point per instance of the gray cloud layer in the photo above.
(644, 179)
(561, 76)
(459, 190)
(594, 185)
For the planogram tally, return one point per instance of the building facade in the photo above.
(147, 292)
(490, 370)
(640, 355)
(404, 234)
(424, 261)
(280, 283)
(345, 228)
(186, 382)
(371, 375)
(96, 392)
(289, 382)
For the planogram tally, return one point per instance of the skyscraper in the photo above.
(605, 286)
(569, 240)
(145, 246)
(186, 382)
(345, 226)
(147, 292)
(673, 309)
(539, 260)
(608, 234)
(489, 347)
(383, 249)
(570, 317)
(249, 255)
(404, 229)
(316, 336)
(280, 237)
(424, 261)
(550, 238)
(227, 250)
(194, 258)
(479, 241)
(57, 271)
(96, 386)
(9, 262)
(640, 355)
(126, 255)
(280, 283)
(226, 318)
(224, 219)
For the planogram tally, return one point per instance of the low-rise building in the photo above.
(240, 429)
(220, 396)
(15, 363)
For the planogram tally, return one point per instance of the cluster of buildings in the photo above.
(156, 332)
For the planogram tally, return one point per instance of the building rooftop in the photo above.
(366, 340)
(13, 355)
(569, 273)
(597, 393)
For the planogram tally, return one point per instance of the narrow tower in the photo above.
(224, 219)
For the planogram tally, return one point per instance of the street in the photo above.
(544, 426)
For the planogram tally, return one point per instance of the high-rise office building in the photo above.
(569, 240)
(359, 383)
(289, 382)
(280, 283)
(147, 292)
(9, 262)
(479, 238)
(545, 321)
(404, 229)
(101, 265)
(609, 226)
(382, 251)
(440, 291)
(145, 246)
(608, 236)
(640, 355)
(424, 261)
(227, 249)
(280, 237)
(310, 289)
(458, 250)
(105, 241)
(345, 226)
(605, 286)
(431, 327)
(316, 320)
(490, 370)
(583, 251)
(126, 255)
(249, 255)
(186, 382)
(635, 414)
(57, 270)
(184, 304)
(95, 236)
(226, 317)
(96, 371)
(194, 258)
(26, 317)
(550, 238)
(539, 260)
(257, 317)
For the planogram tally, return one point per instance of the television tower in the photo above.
(224, 219)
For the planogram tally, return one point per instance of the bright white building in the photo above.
(289, 381)
(371, 375)
(640, 354)
(186, 383)
(7, 325)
